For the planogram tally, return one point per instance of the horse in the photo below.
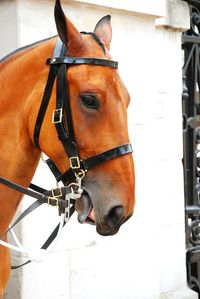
(98, 104)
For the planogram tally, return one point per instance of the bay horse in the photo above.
(98, 105)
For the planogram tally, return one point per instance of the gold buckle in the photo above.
(74, 162)
(53, 198)
(53, 192)
(54, 116)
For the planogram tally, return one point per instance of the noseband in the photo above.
(62, 116)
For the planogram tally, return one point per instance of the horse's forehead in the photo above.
(86, 76)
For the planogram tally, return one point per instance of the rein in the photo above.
(64, 198)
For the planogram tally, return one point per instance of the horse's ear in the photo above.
(67, 32)
(103, 30)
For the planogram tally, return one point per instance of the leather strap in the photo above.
(42, 196)
(46, 197)
(30, 209)
(21, 189)
(107, 155)
(48, 242)
(44, 104)
(69, 175)
(65, 127)
(58, 50)
(82, 60)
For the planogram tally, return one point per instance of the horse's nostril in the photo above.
(115, 216)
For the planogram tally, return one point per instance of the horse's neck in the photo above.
(18, 158)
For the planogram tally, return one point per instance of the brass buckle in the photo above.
(74, 162)
(53, 198)
(53, 192)
(57, 114)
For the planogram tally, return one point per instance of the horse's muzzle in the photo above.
(111, 222)
(107, 224)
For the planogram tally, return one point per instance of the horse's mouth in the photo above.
(90, 217)
(85, 209)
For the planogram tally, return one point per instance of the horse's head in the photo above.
(99, 102)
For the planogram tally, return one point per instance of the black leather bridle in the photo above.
(62, 116)
(62, 119)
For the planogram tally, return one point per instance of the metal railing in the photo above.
(191, 143)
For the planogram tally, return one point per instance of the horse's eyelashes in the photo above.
(90, 101)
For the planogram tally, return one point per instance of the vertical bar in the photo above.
(191, 80)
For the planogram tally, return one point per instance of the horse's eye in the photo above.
(90, 101)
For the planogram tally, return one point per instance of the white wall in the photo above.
(8, 26)
(146, 260)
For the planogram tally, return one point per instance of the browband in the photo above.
(82, 60)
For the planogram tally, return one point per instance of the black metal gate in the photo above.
(191, 142)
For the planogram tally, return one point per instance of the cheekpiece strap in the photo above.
(47, 94)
